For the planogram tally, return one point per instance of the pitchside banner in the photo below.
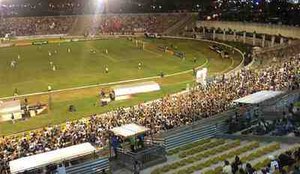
(201, 76)
(42, 42)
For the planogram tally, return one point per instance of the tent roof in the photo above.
(51, 157)
(129, 130)
(10, 106)
(258, 97)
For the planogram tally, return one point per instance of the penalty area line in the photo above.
(109, 57)
(105, 55)
(152, 52)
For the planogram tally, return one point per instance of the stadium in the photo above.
(150, 87)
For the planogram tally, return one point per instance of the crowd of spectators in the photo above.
(66, 6)
(285, 163)
(278, 127)
(280, 12)
(283, 126)
(287, 124)
(153, 23)
(28, 26)
(166, 113)
(78, 7)
(93, 24)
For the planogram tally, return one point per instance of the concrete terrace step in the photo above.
(275, 153)
(210, 157)
(221, 163)
(174, 158)
(183, 141)
(189, 136)
(192, 145)
(217, 143)
(177, 25)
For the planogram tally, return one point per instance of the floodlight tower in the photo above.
(106, 6)
(1, 14)
(49, 98)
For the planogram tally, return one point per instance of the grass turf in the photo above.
(81, 68)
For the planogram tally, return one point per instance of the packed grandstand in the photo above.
(209, 131)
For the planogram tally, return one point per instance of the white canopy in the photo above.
(129, 130)
(258, 97)
(12, 106)
(8, 108)
(136, 88)
(52, 157)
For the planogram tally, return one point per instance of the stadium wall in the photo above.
(270, 29)
(248, 40)
(49, 36)
(230, 37)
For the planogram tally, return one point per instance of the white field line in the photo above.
(220, 43)
(152, 52)
(105, 55)
(228, 68)
(109, 57)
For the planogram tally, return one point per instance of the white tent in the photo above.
(201, 76)
(258, 97)
(52, 157)
(8, 108)
(129, 130)
(130, 89)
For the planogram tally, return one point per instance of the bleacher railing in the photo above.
(95, 166)
(151, 155)
(201, 129)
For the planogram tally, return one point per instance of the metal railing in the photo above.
(150, 155)
(195, 131)
(95, 166)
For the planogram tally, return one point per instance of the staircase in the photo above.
(188, 21)
(198, 133)
(80, 25)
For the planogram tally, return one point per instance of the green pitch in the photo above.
(80, 67)
(33, 72)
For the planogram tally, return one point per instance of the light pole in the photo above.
(49, 98)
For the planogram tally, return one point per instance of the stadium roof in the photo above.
(52, 157)
(129, 130)
(258, 97)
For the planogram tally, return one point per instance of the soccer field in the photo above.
(33, 73)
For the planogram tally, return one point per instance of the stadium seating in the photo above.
(199, 132)
(190, 149)
(88, 24)
(207, 155)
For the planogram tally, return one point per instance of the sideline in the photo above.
(228, 68)
(215, 42)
